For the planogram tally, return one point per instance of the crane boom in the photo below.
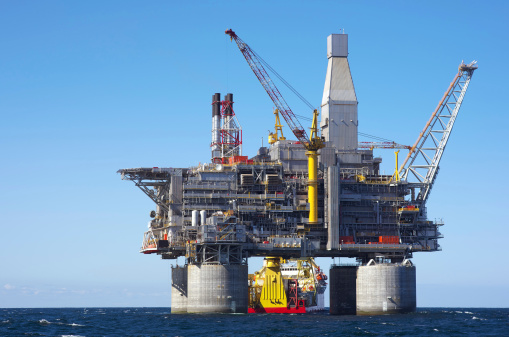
(382, 145)
(424, 156)
(312, 144)
(256, 64)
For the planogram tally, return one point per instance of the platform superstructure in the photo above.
(220, 213)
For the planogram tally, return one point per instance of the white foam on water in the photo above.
(43, 321)
(76, 324)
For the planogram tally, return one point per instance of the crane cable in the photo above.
(285, 82)
(289, 86)
(380, 139)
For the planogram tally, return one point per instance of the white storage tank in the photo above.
(194, 218)
(203, 218)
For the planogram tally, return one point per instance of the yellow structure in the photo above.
(315, 144)
(274, 137)
(287, 286)
(273, 290)
(396, 172)
(395, 176)
(312, 186)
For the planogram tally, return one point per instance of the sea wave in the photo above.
(75, 322)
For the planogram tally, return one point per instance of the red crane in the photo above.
(312, 144)
(256, 65)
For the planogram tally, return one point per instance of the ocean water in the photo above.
(159, 322)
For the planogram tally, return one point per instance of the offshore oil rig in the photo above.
(320, 195)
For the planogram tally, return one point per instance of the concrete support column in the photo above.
(373, 289)
(343, 290)
(217, 288)
(179, 290)
(386, 288)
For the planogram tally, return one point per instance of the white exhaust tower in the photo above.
(339, 103)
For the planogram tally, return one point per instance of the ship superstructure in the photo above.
(276, 204)
(287, 286)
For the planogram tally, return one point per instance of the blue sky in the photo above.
(87, 88)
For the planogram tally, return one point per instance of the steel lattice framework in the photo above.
(154, 182)
(424, 156)
(231, 132)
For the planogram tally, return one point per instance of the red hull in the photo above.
(300, 310)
